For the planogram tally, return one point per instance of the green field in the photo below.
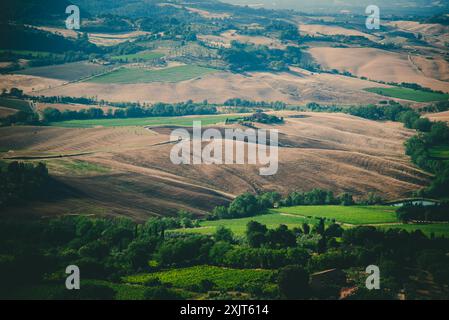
(225, 279)
(409, 94)
(149, 121)
(67, 71)
(440, 152)
(17, 104)
(438, 229)
(238, 226)
(134, 75)
(356, 215)
(139, 56)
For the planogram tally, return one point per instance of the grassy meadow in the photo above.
(409, 94)
(238, 226)
(137, 75)
(356, 215)
(147, 121)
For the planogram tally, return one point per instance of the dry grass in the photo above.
(27, 83)
(434, 33)
(331, 151)
(318, 29)
(439, 116)
(296, 87)
(377, 64)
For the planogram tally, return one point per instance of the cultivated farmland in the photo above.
(352, 215)
(409, 94)
(134, 75)
(68, 71)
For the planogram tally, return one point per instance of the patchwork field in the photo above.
(296, 87)
(134, 75)
(376, 64)
(409, 94)
(337, 152)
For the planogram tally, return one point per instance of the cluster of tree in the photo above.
(262, 117)
(439, 106)
(20, 37)
(248, 205)
(317, 197)
(438, 212)
(20, 117)
(157, 110)
(286, 30)
(111, 248)
(22, 181)
(237, 102)
(169, 27)
(243, 57)
(419, 148)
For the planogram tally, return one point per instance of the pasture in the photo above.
(147, 121)
(410, 94)
(138, 75)
(356, 215)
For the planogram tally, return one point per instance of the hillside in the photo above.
(126, 170)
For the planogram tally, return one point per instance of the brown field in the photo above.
(434, 33)
(4, 112)
(27, 83)
(439, 116)
(129, 171)
(319, 29)
(298, 86)
(434, 67)
(378, 65)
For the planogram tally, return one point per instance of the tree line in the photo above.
(248, 205)
(20, 182)
(111, 248)
(157, 110)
